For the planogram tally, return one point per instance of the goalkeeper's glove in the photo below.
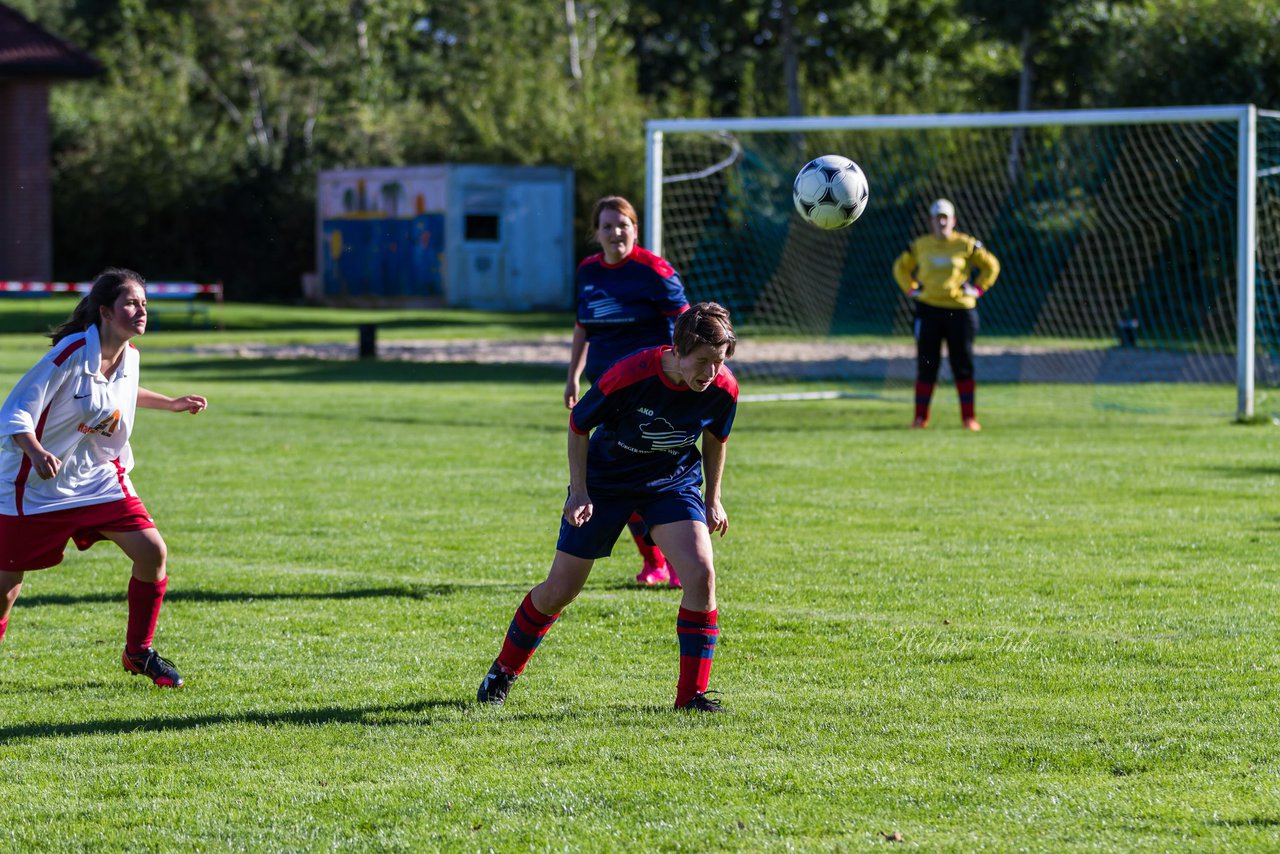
(969, 289)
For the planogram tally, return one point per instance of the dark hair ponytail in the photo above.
(106, 289)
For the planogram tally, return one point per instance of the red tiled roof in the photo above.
(27, 50)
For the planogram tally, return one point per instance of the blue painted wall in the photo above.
(383, 257)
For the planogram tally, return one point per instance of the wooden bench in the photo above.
(196, 297)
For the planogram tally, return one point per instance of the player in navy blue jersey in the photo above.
(628, 299)
(648, 413)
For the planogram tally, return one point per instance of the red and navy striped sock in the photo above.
(523, 636)
(965, 389)
(145, 598)
(697, 631)
(924, 394)
(4, 624)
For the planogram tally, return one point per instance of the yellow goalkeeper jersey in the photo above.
(940, 268)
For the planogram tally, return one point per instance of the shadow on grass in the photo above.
(417, 591)
(1252, 821)
(430, 420)
(357, 372)
(416, 713)
(34, 320)
(390, 715)
(626, 582)
(37, 314)
(1245, 471)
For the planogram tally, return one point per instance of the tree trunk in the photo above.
(790, 59)
(571, 22)
(1025, 79)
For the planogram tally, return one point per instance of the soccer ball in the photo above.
(830, 191)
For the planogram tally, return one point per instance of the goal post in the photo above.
(1135, 244)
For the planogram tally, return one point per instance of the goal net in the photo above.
(1135, 245)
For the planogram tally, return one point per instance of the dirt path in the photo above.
(799, 360)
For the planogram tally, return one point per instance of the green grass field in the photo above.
(1060, 633)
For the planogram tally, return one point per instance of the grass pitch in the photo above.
(1057, 634)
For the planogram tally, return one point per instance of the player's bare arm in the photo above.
(192, 403)
(45, 464)
(577, 362)
(713, 452)
(577, 508)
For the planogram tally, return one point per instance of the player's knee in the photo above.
(698, 576)
(10, 587)
(555, 594)
(560, 598)
(150, 557)
(159, 552)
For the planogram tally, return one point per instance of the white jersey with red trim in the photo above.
(81, 417)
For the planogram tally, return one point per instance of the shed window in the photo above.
(482, 227)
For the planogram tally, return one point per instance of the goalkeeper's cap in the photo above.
(942, 207)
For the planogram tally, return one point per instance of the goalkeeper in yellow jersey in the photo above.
(944, 273)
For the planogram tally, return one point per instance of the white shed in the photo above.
(467, 235)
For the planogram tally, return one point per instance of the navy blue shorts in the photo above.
(609, 515)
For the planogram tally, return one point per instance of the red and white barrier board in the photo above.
(154, 289)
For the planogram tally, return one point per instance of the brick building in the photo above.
(31, 61)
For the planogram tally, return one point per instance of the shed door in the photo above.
(536, 237)
(484, 246)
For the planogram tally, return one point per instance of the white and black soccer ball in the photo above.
(830, 191)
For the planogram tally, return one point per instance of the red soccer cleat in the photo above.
(149, 663)
(921, 422)
(971, 424)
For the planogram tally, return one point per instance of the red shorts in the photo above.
(37, 541)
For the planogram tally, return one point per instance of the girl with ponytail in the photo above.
(65, 460)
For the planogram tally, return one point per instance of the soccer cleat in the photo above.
(674, 581)
(149, 663)
(652, 575)
(703, 702)
(495, 687)
(971, 424)
(920, 422)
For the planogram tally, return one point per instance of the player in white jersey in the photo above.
(65, 460)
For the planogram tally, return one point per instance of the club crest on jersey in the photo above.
(105, 427)
(663, 436)
(603, 305)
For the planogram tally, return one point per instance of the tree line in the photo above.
(195, 154)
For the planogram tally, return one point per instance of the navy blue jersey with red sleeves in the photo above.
(627, 306)
(647, 428)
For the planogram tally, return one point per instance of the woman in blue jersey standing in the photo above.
(633, 446)
(627, 300)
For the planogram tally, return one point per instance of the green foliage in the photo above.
(1200, 52)
(853, 57)
(516, 97)
(1070, 45)
(195, 155)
